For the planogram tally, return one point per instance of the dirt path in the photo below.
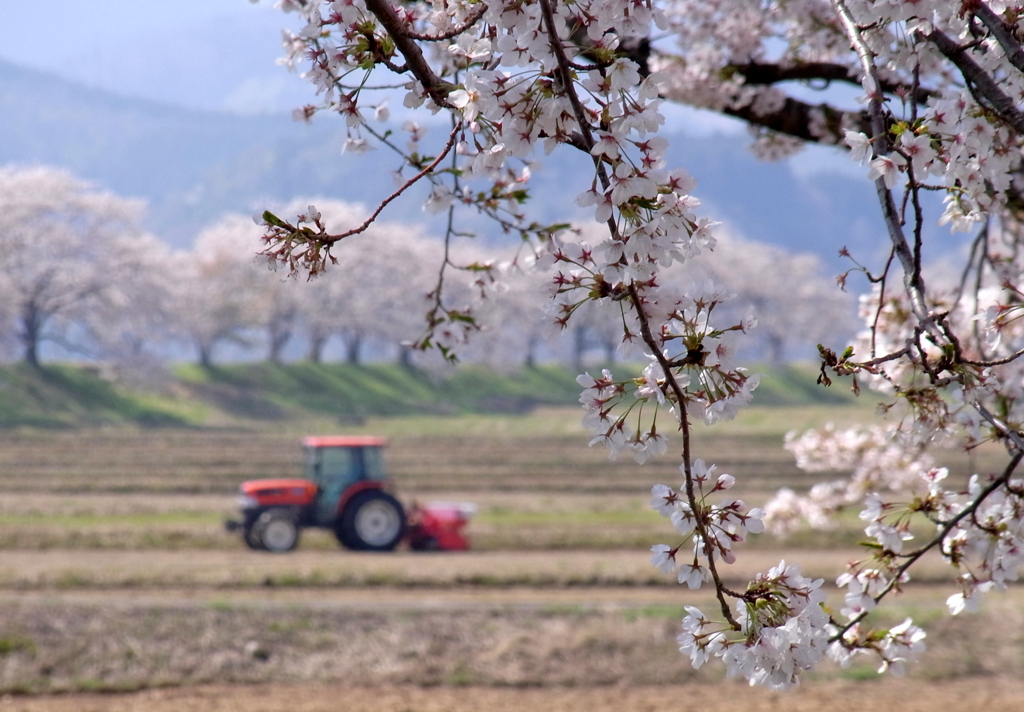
(995, 695)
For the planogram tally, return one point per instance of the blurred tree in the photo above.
(62, 243)
(132, 324)
(794, 302)
(219, 289)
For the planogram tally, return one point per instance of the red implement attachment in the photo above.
(437, 526)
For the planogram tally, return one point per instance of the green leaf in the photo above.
(271, 219)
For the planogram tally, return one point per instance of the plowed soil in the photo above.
(992, 695)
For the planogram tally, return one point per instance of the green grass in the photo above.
(14, 643)
(797, 385)
(351, 392)
(61, 396)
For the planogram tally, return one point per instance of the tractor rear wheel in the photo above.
(276, 530)
(371, 521)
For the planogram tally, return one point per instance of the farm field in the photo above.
(995, 695)
(119, 588)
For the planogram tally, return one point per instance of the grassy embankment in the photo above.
(191, 396)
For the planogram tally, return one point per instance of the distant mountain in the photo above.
(193, 166)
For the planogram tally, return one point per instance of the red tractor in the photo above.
(345, 490)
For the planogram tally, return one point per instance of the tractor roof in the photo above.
(344, 441)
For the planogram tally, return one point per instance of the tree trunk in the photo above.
(31, 333)
(776, 349)
(317, 342)
(279, 337)
(205, 355)
(31, 355)
(609, 352)
(405, 356)
(579, 346)
(353, 345)
(531, 353)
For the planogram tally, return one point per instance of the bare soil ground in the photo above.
(125, 640)
(1002, 694)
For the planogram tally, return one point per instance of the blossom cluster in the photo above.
(696, 374)
(782, 630)
(875, 460)
(711, 528)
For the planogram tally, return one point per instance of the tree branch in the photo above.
(436, 89)
(1002, 31)
(769, 73)
(472, 20)
(331, 239)
(947, 527)
(985, 85)
(795, 119)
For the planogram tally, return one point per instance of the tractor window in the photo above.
(336, 463)
(373, 463)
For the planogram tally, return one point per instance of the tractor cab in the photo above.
(341, 466)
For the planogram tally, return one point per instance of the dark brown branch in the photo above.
(331, 239)
(997, 362)
(771, 73)
(1002, 31)
(794, 119)
(764, 73)
(406, 45)
(984, 84)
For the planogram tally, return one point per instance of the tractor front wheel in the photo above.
(371, 521)
(251, 537)
(276, 530)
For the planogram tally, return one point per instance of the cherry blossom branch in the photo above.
(978, 78)
(684, 427)
(946, 527)
(568, 90)
(449, 144)
(882, 281)
(454, 32)
(1002, 31)
(416, 62)
(911, 267)
(1008, 432)
(994, 362)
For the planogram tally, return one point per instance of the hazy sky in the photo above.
(207, 54)
(202, 54)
